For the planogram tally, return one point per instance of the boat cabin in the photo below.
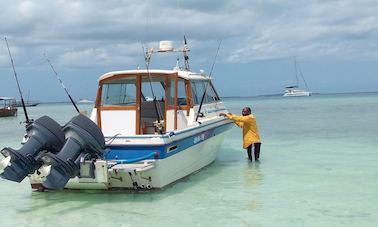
(7, 107)
(150, 101)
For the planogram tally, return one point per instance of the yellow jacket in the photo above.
(250, 131)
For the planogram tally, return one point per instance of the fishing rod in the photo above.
(28, 121)
(61, 83)
(211, 71)
(158, 111)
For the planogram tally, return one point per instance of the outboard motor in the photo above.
(44, 134)
(84, 140)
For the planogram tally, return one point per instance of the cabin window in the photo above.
(198, 89)
(181, 95)
(119, 93)
(153, 87)
(171, 92)
(213, 93)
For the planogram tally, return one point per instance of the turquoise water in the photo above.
(319, 167)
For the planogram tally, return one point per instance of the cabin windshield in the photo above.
(198, 89)
(154, 89)
(119, 92)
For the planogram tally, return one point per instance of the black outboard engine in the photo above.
(84, 141)
(44, 134)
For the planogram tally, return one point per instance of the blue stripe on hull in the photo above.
(129, 152)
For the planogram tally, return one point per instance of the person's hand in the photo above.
(222, 114)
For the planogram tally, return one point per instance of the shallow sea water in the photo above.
(319, 167)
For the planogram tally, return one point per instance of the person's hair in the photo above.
(247, 108)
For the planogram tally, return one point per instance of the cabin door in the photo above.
(171, 102)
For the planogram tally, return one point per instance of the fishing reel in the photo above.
(159, 125)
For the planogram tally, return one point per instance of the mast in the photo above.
(299, 71)
(296, 71)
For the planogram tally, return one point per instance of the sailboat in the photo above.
(294, 90)
(27, 103)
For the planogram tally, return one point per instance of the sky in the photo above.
(335, 43)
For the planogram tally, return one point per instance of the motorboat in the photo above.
(148, 129)
(294, 90)
(8, 107)
(85, 101)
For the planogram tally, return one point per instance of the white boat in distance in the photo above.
(132, 141)
(294, 90)
(85, 101)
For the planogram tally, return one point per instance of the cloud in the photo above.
(103, 56)
(317, 29)
(93, 32)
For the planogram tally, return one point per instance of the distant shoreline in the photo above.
(278, 95)
(236, 96)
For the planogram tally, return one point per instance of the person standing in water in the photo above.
(251, 137)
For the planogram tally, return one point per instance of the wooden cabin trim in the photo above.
(116, 77)
(134, 107)
(120, 76)
(189, 98)
(175, 101)
(138, 104)
(166, 103)
(137, 107)
(98, 104)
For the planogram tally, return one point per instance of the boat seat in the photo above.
(148, 110)
(148, 116)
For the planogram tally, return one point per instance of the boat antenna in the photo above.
(61, 83)
(28, 121)
(208, 82)
(186, 57)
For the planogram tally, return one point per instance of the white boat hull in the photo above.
(146, 174)
(169, 170)
(297, 94)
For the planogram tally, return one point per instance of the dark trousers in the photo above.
(256, 149)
